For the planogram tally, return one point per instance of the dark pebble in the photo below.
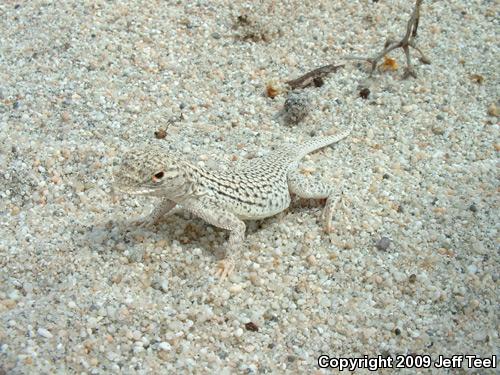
(318, 82)
(364, 93)
(251, 326)
(383, 243)
(160, 134)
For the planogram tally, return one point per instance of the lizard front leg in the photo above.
(305, 188)
(223, 219)
(164, 208)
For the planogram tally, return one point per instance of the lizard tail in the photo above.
(319, 142)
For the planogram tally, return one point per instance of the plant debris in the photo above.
(314, 77)
(477, 78)
(405, 43)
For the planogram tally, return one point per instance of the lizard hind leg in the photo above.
(305, 188)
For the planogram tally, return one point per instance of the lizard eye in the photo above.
(158, 176)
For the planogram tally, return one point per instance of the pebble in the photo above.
(472, 269)
(165, 346)
(44, 333)
(297, 106)
(493, 110)
(65, 117)
(383, 243)
(236, 288)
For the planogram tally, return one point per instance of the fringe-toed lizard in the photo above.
(259, 189)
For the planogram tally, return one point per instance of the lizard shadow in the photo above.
(187, 229)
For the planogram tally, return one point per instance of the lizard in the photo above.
(225, 198)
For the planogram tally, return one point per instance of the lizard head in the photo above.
(151, 172)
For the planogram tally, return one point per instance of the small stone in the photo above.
(364, 92)
(215, 35)
(65, 153)
(472, 269)
(9, 303)
(44, 333)
(137, 349)
(160, 134)
(474, 304)
(296, 107)
(438, 130)
(255, 279)
(493, 110)
(383, 244)
(311, 259)
(65, 116)
(480, 336)
(473, 207)
(318, 81)
(136, 335)
(238, 332)
(165, 346)
(250, 326)
(236, 288)
(412, 278)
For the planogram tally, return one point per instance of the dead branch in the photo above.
(314, 77)
(405, 43)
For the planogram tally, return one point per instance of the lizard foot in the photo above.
(143, 222)
(147, 221)
(328, 228)
(225, 269)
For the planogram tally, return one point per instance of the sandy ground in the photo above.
(84, 291)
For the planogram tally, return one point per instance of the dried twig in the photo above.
(314, 77)
(405, 43)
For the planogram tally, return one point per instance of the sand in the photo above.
(410, 268)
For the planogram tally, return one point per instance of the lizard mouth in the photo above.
(132, 190)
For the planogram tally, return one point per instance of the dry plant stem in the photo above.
(405, 43)
(312, 77)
